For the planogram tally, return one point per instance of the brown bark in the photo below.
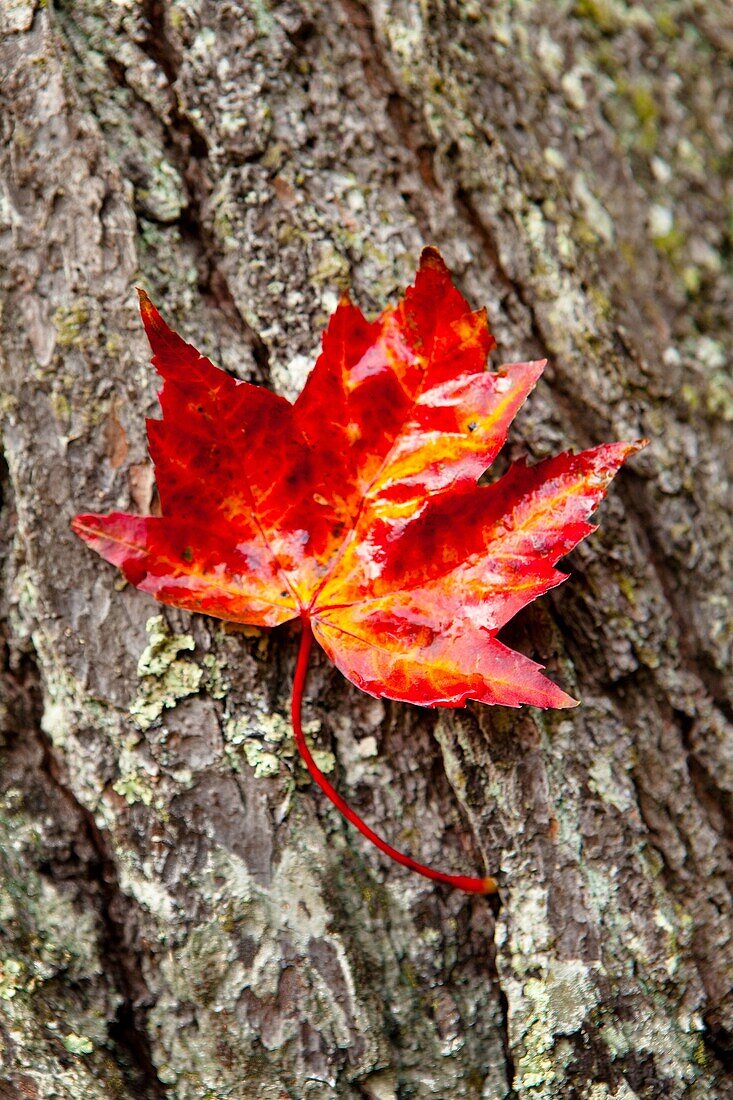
(181, 913)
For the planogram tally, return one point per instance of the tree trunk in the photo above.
(182, 914)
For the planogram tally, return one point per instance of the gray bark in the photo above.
(181, 913)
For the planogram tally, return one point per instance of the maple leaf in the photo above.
(357, 508)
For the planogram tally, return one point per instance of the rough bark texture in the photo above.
(181, 914)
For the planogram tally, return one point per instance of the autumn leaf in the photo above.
(357, 507)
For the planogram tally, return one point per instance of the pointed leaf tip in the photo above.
(144, 303)
(162, 339)
(430, 257)
(153, 322)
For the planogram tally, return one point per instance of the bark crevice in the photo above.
(89, 861)
(116, 911)
(189, 152)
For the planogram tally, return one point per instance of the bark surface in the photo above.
(181, 913)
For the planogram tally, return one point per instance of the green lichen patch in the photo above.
(719, 397)
(551, 1006)
(161, 198)
(325, 760)
(78, 1044)
(134, 788)
(266, 740)
(214, 682)
(164, 676)
(11, 978)
(263, 762)
(71, 323)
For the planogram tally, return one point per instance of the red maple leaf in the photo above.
(357, 508)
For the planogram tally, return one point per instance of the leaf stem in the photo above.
(462, 882)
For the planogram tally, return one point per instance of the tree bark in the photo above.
(182, 914)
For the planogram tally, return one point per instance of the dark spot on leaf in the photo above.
(472, 426)
(187, 553)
